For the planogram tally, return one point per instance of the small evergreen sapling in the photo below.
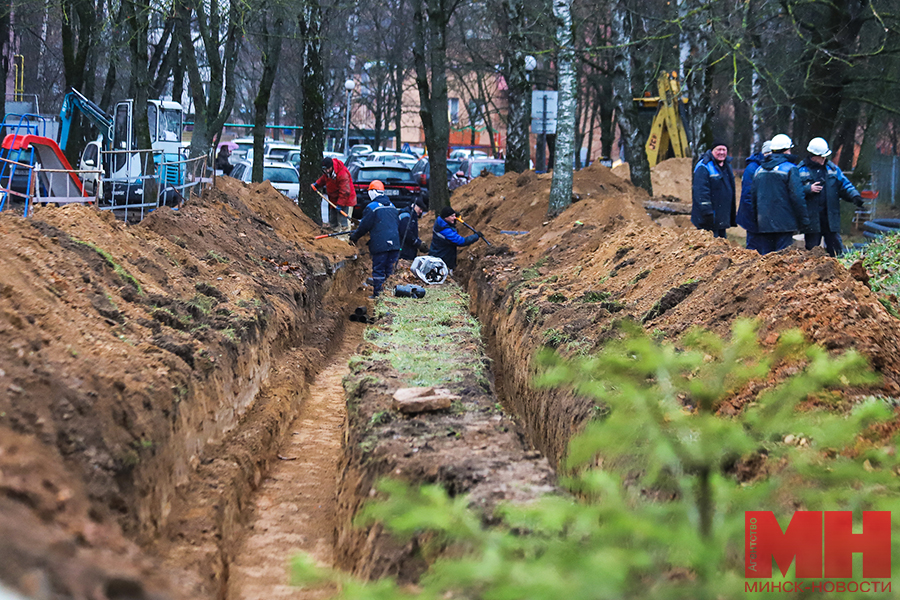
(656, 510)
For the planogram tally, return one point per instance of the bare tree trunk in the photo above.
(5, 12)
(862, 173)
(845, 140)
(271, 44)
(607, 120)
(590, 132)
(626, 112)
(430, 19)
(213, 107)
(518, 150)
(398, 73)
(138, 25)
(567, 84)
(79, 37)
(313, 110)
(697, 76)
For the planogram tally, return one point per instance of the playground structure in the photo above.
(113, 173)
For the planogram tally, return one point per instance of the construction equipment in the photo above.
(667, 129)
(117, 145)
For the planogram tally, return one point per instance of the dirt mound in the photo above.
(517, 204)
(671, 179)
(125, 351)
(566, 284)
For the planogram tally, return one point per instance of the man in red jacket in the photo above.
(339, 188)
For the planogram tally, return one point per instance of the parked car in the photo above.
(387, 157)
(398, 181)
(359, 149)
(294, 157)
(473, 167)
(462, 153)
(283, 176)
(422, 173)
(279, 152)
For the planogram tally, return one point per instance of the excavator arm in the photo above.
(76, 100)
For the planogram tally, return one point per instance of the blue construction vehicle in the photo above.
(112, 151)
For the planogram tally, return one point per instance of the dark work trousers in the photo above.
(336, 219)
(773, 242)
(382, 267)
(752, 241)
(720, 233)
(833, 243)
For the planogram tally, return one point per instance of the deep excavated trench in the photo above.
(327, 467)
(159, 408)
(294, 510)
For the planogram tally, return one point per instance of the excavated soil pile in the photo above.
(672, 180)
(570, 279)
(126, 355)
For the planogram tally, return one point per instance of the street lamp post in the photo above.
(348, 85)
(530, 66)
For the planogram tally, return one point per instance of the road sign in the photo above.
(543, 111)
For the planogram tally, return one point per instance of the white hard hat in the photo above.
(819, 147)
(767, 147)
(781, 142)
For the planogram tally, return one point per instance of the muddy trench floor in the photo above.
(294, 507)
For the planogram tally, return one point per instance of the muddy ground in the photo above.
(568, 281)
(128, 356)
(150, 373)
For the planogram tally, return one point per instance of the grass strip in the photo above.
(116, 267)
(428, 339)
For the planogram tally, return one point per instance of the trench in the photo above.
(293, 510)
(344, 438)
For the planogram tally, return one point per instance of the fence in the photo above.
(130, 197)
(886, 178)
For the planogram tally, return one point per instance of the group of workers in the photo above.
(393, 234)
(780, 196)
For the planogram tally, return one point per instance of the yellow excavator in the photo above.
(667, 129)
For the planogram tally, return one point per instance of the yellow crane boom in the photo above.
(667, 129)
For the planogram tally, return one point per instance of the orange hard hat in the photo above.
(376, 185)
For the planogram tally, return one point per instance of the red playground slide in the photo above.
(59, 185)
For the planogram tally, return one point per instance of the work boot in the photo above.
(370, 282)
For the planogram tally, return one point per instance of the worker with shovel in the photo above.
(381, 222)
(445, 239)
(339, 188)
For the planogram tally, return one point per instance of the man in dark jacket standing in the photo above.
(445, 239)
(825, 185)
(380, 221)
(744, 218)
(777, 198)
(713, 191)
(339, 188)
(410, 244)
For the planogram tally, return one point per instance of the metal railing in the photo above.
(8, 168)
(131, 197)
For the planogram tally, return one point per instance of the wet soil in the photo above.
(294, 508)
(150, 374)
(472, 448)
(569, 280)
(128, 354)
